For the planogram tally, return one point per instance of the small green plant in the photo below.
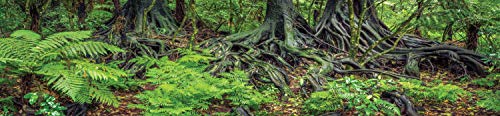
(349, 94)
(438, 93)
(489, 100)
(7, 106)
(490, 80)
(47, 104)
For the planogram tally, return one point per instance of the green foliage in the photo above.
(232, 16)
(440, 13)
(97, 18)
(349, 94)
(489, 100)
(489, 81)
(7, 106)
(47, 104)
(438, 93)
(10, 16)
(60, 59)
(26, 34)
(84, 81)
(183, 89)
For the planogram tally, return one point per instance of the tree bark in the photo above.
(473, 35)
(82, 13)
(376, 40)
(116, 4)
(35, 18)
(448, 32)
(180, 10)
(141, 17)
(278, 43)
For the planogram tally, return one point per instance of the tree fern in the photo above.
(60, 59)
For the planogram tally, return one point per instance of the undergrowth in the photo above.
(489, 99)
(183, 88)
(438, 93)
(350, 94)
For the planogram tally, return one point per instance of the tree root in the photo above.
(375, 39)
(76, 109)
(402, 102)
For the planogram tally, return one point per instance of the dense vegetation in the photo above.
(249, 57)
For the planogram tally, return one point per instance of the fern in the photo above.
(350, 94)
(489, 100)
(74, 81)
(183, 89)
(439, 93)
(60, 59)
(26, 35)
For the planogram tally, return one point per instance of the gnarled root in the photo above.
(402, 102)
(76, 109)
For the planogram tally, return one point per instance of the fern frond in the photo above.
(145, 61)
(80, 49)
(65, 81)
(15, 48)
(98, 71)
(71, 35)
(61, 39)
(104, 95)
(74, 87)
(26, 35)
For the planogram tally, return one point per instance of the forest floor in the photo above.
(291, 106)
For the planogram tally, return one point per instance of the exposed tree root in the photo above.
(141, 16)
(240, 111)
(402, 102)
(131, 27)
(376, 40)
(280, 42)
(76, 109)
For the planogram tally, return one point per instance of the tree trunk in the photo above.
(35, 18)
(180, 10)
(278, 43)
(448, 32)
(472, 35)
(417, 30)
(135, 26)
(82, 13)
(141, 17)
(117, 10)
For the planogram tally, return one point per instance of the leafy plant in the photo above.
(233, 15)
(7, 106)
(489, 81)
(10, 15)
(348, 94)
(183, 88)
(47, 104)
(60, 58)
(438, 93)
(489, 100)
